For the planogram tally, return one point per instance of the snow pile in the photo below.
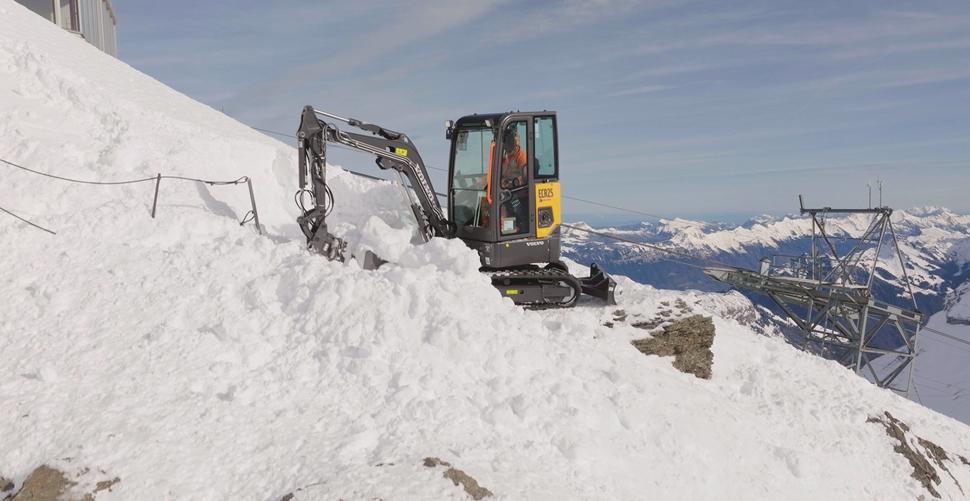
(193, 359)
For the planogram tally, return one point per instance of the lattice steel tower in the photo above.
(828, 294)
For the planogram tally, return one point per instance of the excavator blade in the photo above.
(599, 284)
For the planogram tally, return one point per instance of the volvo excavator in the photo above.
(503, 198)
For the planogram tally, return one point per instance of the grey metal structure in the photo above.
(92, 20)
(828, 294)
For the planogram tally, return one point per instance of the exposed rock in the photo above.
(619, 315)
(104, 485)
(689, 340)
(939, 456)
(922, 469)
(459, 477)
(431, 462)
(6, 485)
(50, 484)
(43, 484)
(649, 324)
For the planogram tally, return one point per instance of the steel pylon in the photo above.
(827, 293)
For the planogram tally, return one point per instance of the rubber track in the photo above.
(540, 275)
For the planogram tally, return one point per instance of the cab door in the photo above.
(471, 204)
(513, 184)
(545, 172)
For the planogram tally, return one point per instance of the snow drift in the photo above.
(194, 359)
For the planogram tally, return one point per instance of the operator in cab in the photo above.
(514, 162)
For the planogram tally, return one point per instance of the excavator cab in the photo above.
(503, 188)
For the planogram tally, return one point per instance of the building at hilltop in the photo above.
(92, 20)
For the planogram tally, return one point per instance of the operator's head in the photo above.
(510, 139)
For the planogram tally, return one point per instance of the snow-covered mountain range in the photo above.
(189, 357)
(936, 242)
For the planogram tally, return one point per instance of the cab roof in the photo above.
(496, 118)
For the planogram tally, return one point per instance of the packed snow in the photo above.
(193, 358)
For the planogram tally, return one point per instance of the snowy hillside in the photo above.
(188, 357)
(942, 375)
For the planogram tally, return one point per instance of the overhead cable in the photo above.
(39, 227)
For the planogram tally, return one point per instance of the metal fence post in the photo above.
(252, 200)
(158, 180)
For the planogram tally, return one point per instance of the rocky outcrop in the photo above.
(688, 340)
(921, 453)
(459, 477)
(46, 483)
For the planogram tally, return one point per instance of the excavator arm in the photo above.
(393, 150)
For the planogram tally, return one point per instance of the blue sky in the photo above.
(704, 109)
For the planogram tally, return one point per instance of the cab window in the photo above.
(473, 148)
(545, 147)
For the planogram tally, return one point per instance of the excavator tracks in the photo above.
(538, 288)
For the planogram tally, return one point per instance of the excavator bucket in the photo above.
(599, 284)
(370, 261)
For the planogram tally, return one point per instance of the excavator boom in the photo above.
(394, 150)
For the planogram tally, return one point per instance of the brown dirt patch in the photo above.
(459, 477)
(688, 340)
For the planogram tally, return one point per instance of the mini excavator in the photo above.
(503, 198)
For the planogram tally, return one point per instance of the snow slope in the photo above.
(195, 359)
(942, 375)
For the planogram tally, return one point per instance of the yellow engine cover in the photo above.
(547, 197)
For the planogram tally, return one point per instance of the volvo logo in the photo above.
(535, 244)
